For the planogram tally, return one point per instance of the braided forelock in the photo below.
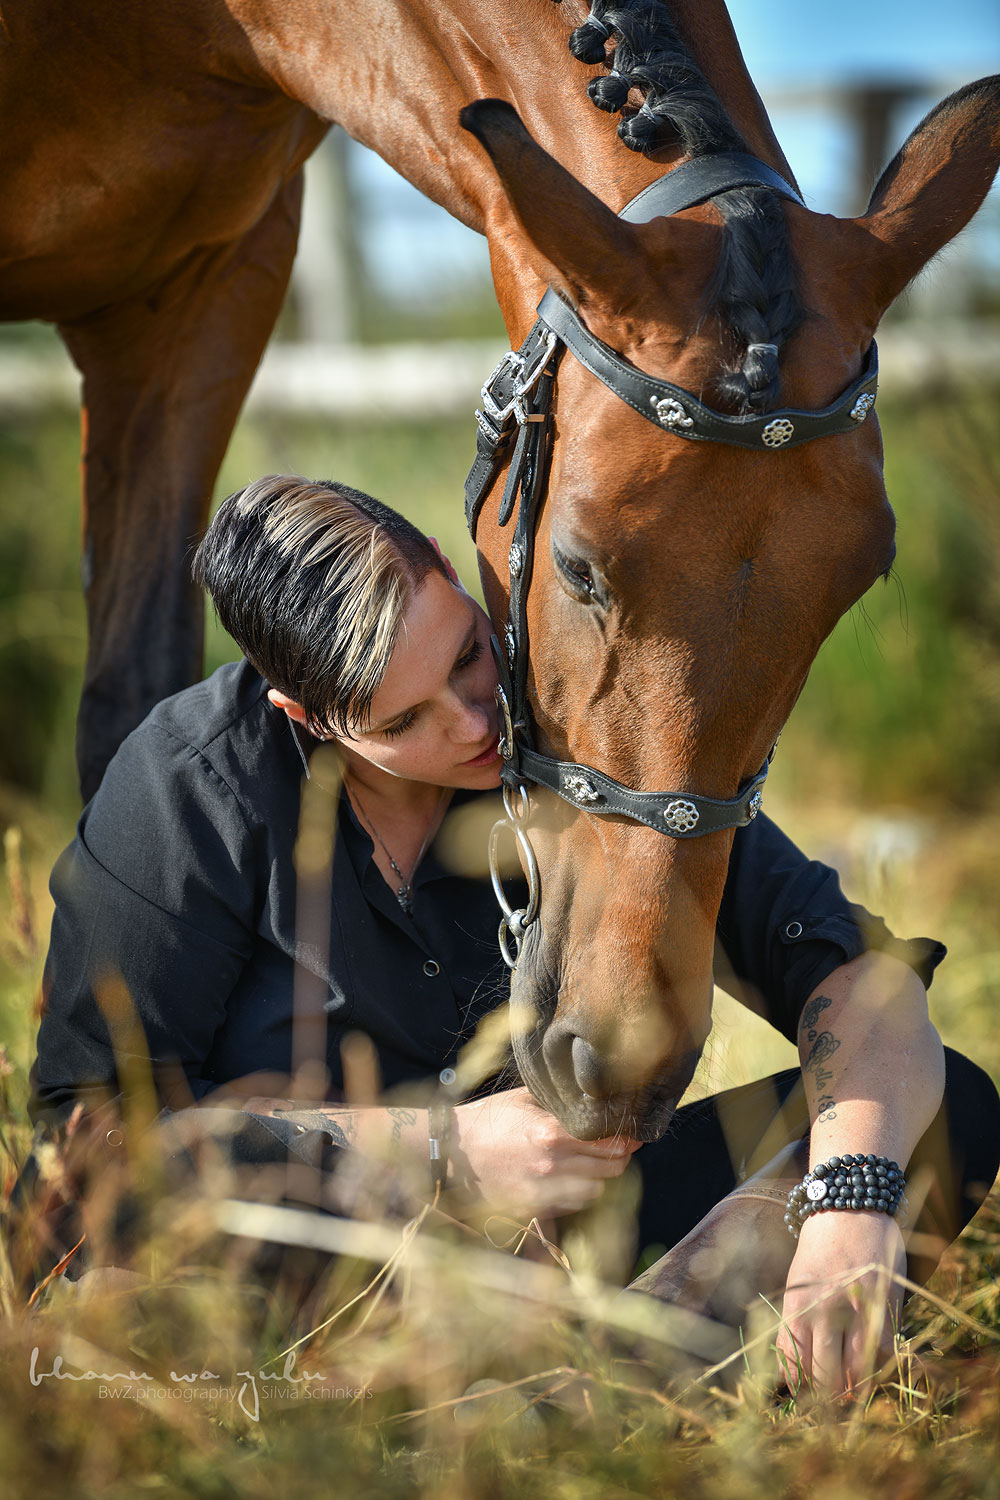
(752, 292)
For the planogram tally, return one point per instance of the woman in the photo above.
(181, 887)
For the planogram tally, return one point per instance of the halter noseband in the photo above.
(517, 397)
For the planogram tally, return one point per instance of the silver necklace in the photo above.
(404, 893)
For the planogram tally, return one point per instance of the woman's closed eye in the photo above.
(466, 660)
(406, 722)
(470, 657)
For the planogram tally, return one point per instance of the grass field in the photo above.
(888, 770)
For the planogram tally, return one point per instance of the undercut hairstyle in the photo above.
(312, 579)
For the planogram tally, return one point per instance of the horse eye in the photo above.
(577, 573)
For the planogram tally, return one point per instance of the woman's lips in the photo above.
(490, 754)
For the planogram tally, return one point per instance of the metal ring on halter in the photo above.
(528, 379)
(513, 922)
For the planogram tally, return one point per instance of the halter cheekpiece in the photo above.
(517, 399)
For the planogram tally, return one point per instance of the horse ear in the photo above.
(931, 189)
(572, 228)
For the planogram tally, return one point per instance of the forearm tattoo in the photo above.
(342, 1125)
(811, 1014)
(821, 1051)
(822, 1046)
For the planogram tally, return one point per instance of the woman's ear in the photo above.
(292, 709)
(447, 564)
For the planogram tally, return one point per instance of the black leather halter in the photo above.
(517, 398)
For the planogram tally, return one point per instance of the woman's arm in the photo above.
(152, 928)
(504, 1150)
(785, 925)
(873, 1070)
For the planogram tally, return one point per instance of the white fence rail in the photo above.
(417, 381)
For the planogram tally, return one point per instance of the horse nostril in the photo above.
(589, 1070)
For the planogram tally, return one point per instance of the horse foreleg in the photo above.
(164, 377)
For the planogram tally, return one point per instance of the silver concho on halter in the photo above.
(862, 407)
(670, 413)
(516, 560)
(777, 433)
(753, 806)
(581, 790)
(681, 816)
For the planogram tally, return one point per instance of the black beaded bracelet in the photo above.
(851, 1182)
(439, 1136)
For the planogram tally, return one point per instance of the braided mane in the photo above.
(752, 292)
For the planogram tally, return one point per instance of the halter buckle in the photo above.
(526, 373)
(506, 745)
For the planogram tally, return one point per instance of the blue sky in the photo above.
(798, 44)
(784, 40)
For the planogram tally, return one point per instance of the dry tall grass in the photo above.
(388, 1357)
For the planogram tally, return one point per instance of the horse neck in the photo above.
(708, 31)
(396, 73)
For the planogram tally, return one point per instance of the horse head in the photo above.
(681, 589)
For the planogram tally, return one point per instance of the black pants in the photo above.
(717, 1142)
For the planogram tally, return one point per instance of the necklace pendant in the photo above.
(404, 896)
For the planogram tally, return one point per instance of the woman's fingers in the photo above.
(827, 1353)
(837, 1345)
(866, 1346)
(513, 1151)
(611, 1147)
(841, 1295)
(566, 1195)
(793, 1356)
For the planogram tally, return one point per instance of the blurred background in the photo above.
(888, 767)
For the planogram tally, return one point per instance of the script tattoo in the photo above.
(401, 1117)
(827, 1109)
(811, 1015)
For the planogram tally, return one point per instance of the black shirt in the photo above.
(181, 886)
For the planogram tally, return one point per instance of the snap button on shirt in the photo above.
(431, 968)
(793, 930)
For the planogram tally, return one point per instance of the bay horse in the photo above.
(151, 177)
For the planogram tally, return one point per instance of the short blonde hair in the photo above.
(312, 579)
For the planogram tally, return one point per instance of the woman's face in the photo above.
(434, 718)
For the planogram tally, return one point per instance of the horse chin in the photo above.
(643, 1115)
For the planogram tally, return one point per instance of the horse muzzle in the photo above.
(599, 1093)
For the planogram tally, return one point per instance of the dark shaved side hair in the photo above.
(312, 579)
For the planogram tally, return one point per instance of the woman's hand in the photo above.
(838, 1342)
(516, 1156)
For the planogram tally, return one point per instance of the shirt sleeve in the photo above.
(153, 924)
(785, 924)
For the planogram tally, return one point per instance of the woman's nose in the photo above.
(472, 721)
